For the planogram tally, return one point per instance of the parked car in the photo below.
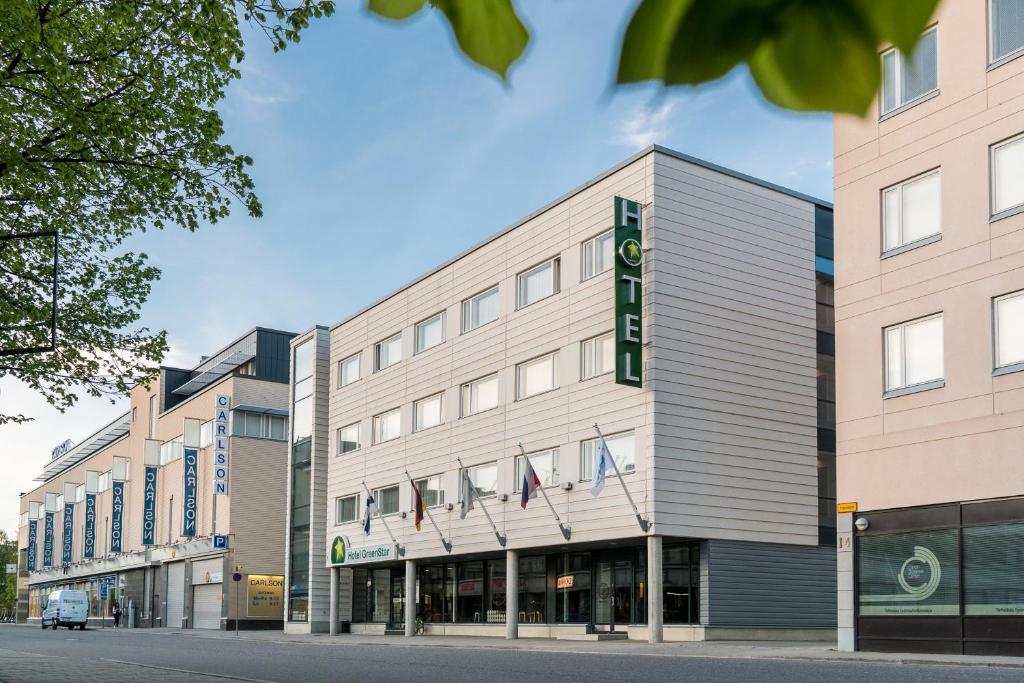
(66, 608)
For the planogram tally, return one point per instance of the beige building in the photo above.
(929, 303)
(133, 511)
(707, 393)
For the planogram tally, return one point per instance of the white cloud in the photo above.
(645, 125)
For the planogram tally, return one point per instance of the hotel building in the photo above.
(159, 508)
(683, 308)
(929, 304)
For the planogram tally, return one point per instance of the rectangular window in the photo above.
(349, 369)
(346, 509)
(537, 283)
(597, 356)
(427, 412)
(206, 434)
(993, 556)
(480, 309)
(545, 464)
(1008, 175)
(621, 446)
(1009, 320)
(1007, 26)
(387, 426)
(387, 500)
(536, 376)
(348, 438)
(485, 478)
(258, 425)
(388, 352)
(904, 79)
(913, 353)
(430, 332)
(479, 395)
(597, 255)
(431, 490)
(911, 211)
(909, 574)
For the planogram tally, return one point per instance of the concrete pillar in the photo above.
(655, 606)
(410, 598)
(335, 576)
(846, 633)
(511, 594)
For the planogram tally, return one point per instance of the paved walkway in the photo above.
(23, 667)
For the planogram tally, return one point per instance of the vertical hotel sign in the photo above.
(149, 507)
(629, 262)
(191, 477)
(220, 444)
(68, 537)
(117, 516)
(89, 546)
(33, 541)
(48, 539)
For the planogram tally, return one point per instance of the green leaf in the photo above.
(395, 9)
(489, 32)
(900, 23)
(648, 39)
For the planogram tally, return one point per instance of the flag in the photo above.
(531, 482)
(371, 507)
(468, 491)
(601, 463)
(418, 506)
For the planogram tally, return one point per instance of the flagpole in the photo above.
(497, 534)
(401, 550)
(566, 531)
(641, 520)
(426, 508)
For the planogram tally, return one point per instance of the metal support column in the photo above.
(335, 576)
(410, 598)
(655, 606)
(511, 594)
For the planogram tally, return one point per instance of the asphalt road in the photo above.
(31, 654)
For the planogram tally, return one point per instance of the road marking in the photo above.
(187, 671)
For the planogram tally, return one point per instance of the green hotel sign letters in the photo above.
(629, 264)
(342, 553)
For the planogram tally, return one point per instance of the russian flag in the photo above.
(531, 482)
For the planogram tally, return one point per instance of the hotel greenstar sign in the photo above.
(341, 553)
(629, 304)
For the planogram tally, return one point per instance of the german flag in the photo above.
(418, 506)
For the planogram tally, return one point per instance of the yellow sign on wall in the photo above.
(846, 507)
(265, 596)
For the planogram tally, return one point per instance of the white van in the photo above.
(66, 608)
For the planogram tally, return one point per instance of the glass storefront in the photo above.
(302, 442)
(910, 574)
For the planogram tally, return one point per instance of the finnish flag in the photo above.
(601, 463)
(371, 508)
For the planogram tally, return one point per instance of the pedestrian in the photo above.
(117, 614)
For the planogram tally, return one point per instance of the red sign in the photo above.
(565, 581)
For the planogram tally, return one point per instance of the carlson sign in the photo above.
(48, 539)
(117, 516)
(149, 507)
(220, 442)
(191, 481)
(89, 542)
(61, 449)
(68, 537)
(33, 541)
(629, 262)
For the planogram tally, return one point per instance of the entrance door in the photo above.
(206, 601)
(175, 594)
(613, 597)
(397, 599)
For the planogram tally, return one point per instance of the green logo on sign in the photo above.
(631, 252)
(338, 550)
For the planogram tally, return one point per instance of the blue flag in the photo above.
(371, 507)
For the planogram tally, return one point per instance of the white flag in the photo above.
(601, 464)
(468, 491)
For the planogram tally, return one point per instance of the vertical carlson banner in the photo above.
(67, 539)
(149, 508)
(48, 539)
(220, 445)
(89, 544)
(191, 477)
(629, 266)
(116, 516)
(33, 540)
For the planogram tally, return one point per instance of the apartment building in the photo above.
(682, 309)
(159, 508)
(929, 305)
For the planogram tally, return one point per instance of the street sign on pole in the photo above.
(12, 569)
(220, 541)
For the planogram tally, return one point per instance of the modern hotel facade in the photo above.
(929, 304)
(159, 508)
(702, 352)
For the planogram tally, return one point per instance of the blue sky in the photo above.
(380, 152)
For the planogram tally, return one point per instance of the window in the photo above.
(259, 425)
(545, 464)
(1008, 175)
(1007, 22)
(597, 255)
(430, 332)
(479, 395)
(913, 353)
(904, 79)
(387, 352)
(480, 309)
(991, 557)
(348, 438)
(621, 446)
(349, 369)
(387, 500)
(431, 490)
(172, 450)
(912, 574)
(346, 509)
(485, 479)
(387, 426)
(911, 211)
(537, 283)
(206, 434)
(536, 376)
(597, 356)
(427, 412)
(1009, 319)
